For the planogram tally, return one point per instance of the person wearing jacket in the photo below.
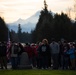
(3, 57)
(14, 51)
(30, 52)
(44, 52)
(35, 54)
(71, 53)
(55, 53)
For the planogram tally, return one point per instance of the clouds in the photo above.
(14, 9)
(59, 5)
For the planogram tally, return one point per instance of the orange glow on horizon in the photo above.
(12, 10)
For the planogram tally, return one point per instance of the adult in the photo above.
(3, 58)
(30, 52)
(20, 51)
(64, 60)
(55, 53)
(44, 52)
(14, 50)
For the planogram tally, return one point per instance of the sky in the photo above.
(12, 10)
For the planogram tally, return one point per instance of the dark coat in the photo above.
(3, 49)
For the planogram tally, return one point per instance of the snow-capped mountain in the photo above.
(28, 24)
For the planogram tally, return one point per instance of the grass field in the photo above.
(37, 72)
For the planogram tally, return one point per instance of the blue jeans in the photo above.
(14, 61)
(55, 58)
(64, 62)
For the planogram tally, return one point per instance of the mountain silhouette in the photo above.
(27, 25)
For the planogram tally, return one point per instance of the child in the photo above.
(71, 53)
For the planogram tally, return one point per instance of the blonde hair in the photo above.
(45, 41)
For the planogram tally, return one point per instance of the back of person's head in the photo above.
(53, 39)
(65, 42)
(27, 44)
(19, 44)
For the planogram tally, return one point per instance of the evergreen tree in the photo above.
(14, 36)
(26, 37)
(43, 26)
(19, 33)
(57, 26)
(3, 30)
(62, 26)
(73, 32)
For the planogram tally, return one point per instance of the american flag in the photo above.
(8, 47)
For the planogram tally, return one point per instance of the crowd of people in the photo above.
(56, 55)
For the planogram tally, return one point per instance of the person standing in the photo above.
(3, 58)
(14, 50)
(64, 60)
(44, 53)
(30, 52)
(71, 53)
(55, 53)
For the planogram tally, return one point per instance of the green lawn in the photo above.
(37, 72)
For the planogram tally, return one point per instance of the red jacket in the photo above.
(29, 51)
(34, 51)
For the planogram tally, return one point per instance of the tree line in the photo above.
(3, 30)
(48, 26)
(6, 34)
(54, 26)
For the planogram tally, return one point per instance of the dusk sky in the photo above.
(12, 10)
